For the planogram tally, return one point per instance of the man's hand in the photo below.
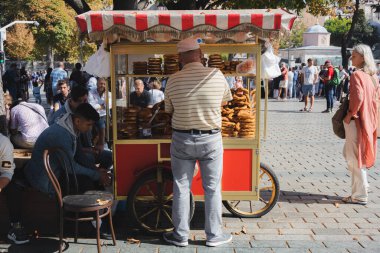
(99, 147)
(105, 178)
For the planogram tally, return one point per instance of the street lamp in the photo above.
(3, 36)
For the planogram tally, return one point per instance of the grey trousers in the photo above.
(186, 149)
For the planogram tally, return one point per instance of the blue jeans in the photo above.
(329, 91)
(186, 149)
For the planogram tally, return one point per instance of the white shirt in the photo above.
(309, 74)
(7, 165)
(290, 76)
(30, 119)
(157, 96)
(99, 102)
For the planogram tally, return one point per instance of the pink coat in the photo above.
(363, 104)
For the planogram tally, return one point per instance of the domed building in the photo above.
(316, 45)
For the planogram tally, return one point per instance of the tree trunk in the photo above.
(125, 4)
(346, 40)
(80, 6)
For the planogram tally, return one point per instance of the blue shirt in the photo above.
(55, 136)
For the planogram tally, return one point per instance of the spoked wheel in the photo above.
(150, 202)
(269, 192)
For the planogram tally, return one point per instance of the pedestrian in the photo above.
(11, 81)
(77, 77)
(57, 74)
(37, 92)
(97, 98)
(343, 76)
(24, 81)
(360, 124)
(284, 82)
(196, 137)
(301, 96)
(321, 75)
(309, 77)
(47, 87)
(295, 82)
(329, 87)
(60, 99)
(290, 82)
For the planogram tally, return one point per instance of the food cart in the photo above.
(142, 44)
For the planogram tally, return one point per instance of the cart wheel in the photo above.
(150, 202)
(269, 192)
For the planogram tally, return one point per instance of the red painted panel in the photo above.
(277, 21)
(210, 19)
(164, 19)
(257, 20)
(141, 22)
(237, 170)
(165, 150)
(96, 22)
(118, 19)
(233, 20)
(130, 159)
(187, 22)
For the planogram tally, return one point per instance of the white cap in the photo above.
(187, 45)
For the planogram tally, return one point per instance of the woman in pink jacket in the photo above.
(361, 123)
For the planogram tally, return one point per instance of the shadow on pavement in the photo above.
(41, 245)
(303, 197)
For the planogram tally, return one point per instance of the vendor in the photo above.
(141, 97)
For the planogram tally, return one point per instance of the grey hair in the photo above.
(369, 65)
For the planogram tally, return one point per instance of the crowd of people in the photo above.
(78, 104)
(307, 81)
(75, 109)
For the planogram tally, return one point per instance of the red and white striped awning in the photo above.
(140, 25)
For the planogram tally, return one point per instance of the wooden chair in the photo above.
(93, 206)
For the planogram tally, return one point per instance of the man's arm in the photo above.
(7, 165)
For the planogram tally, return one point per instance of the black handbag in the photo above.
(337, 119)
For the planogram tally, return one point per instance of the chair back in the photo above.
(65, 164)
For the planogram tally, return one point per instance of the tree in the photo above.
(315, 7)
(295, 37)
(20, 42)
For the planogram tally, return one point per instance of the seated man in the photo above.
(28, 121)
(78, 95)
(97, 98)
(141, 97)
(16, 234)
(60, 99)
(64, 135)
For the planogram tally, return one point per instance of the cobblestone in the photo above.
(309, 216)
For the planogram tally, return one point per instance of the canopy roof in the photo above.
(238, 25)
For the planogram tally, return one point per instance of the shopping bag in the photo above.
(99, 63)
(269, 63)
(337, 119)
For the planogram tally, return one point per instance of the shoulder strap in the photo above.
(35, 111)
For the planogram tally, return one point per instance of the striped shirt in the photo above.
(194, 96)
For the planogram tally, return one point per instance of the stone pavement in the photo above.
(307, 159)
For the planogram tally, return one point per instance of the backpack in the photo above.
(335, 79)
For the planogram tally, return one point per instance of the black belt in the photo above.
(196, 131)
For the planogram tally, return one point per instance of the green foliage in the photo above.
(295, 37)
(315, 7)
(363, 32)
